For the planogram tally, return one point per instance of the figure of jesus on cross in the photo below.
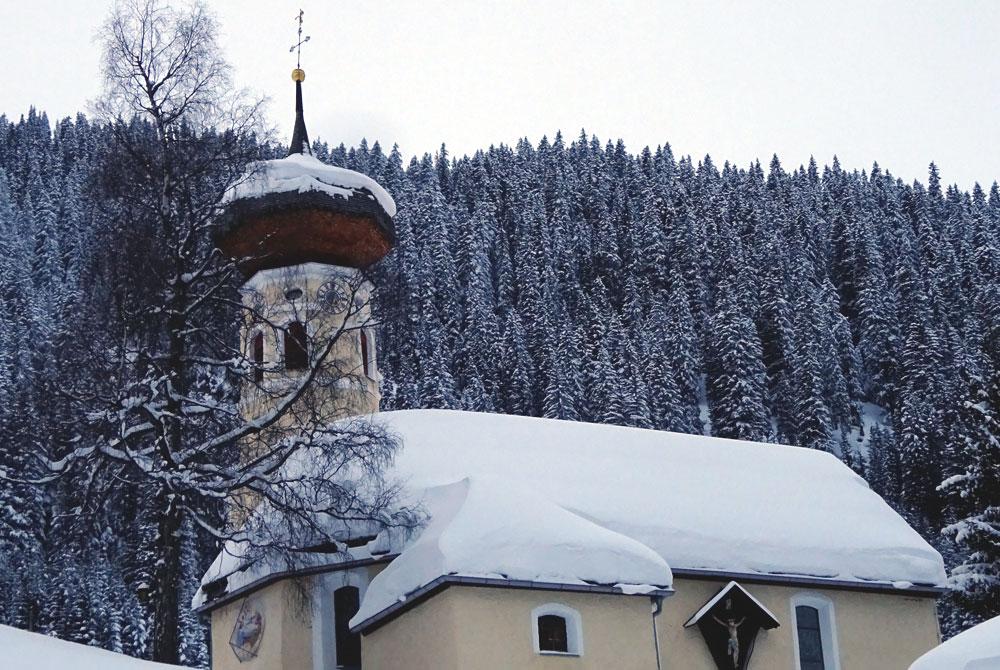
(733, 645)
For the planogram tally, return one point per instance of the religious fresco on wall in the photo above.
(248, 631)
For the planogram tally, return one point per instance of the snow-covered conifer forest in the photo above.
(834, 309)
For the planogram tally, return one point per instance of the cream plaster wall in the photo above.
(342, 389)
(287, 639)
(875, 631)
(472, 628)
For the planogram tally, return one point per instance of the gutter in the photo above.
(916, 590)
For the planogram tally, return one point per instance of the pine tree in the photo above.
(974, 491)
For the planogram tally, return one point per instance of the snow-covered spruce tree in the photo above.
(737, 379)
(157, 396)
(974, 494)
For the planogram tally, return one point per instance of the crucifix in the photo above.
(297, 48)
(732, 626)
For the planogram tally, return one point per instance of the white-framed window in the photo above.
(815, 632)
(556, 630)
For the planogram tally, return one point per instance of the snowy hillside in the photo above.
(30, 651)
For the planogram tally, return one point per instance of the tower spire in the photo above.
(300, 138)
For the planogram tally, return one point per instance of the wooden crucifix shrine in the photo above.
(729, 622)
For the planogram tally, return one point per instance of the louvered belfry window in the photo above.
(296, 347)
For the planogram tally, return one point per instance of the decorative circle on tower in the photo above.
(335, 295)
(293, 294)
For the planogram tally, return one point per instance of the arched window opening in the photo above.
(556, 629)
(552, 633)
(258, 357)
(296, 347)
(365, 364)
(815, 633)
(810, 638)
(346, 601)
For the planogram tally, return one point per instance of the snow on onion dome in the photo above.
(488, 528)
(297, 209)
(302, 173)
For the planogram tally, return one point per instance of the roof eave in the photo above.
(443, 582)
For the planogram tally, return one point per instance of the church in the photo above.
(546, 544)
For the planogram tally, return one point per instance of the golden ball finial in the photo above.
(298, 74)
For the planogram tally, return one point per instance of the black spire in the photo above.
(300, 138)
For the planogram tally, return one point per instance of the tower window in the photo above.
(365, 363)
(346, 601)
(296, 347)
(258, 357)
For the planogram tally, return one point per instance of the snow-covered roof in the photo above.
(32, 651)
(495, 528)
(700, 503)
(975, 649)
(302, 173)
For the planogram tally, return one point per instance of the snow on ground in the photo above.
(302, 173)
(493, 528)
(700, 503)
(976, 649)
(860, 436)
(21, 650)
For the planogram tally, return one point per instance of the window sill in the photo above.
(558, 653)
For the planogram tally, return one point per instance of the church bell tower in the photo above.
(303, 233)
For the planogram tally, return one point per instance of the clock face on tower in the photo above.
(335, 295)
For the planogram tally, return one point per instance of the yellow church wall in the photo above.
(287, 640)
(874, 629)
(472, 628)
(475, 628)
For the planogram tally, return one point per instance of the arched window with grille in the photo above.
(296, 347)
(556, 630)
(257, 352)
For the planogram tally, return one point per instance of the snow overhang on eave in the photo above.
(256, 585)
(443, 582)
(921, 590)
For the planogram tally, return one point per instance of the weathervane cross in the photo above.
(298, 46)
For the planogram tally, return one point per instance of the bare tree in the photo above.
(161, 393)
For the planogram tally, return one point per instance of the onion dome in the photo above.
(298, 209)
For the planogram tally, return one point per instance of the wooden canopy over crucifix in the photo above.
(730, 622)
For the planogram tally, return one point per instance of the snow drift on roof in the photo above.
(700, 503)
(494, 528)
(302, 173)
(975, 649)
(31, 651)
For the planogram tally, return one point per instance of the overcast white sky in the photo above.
(901, 82)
